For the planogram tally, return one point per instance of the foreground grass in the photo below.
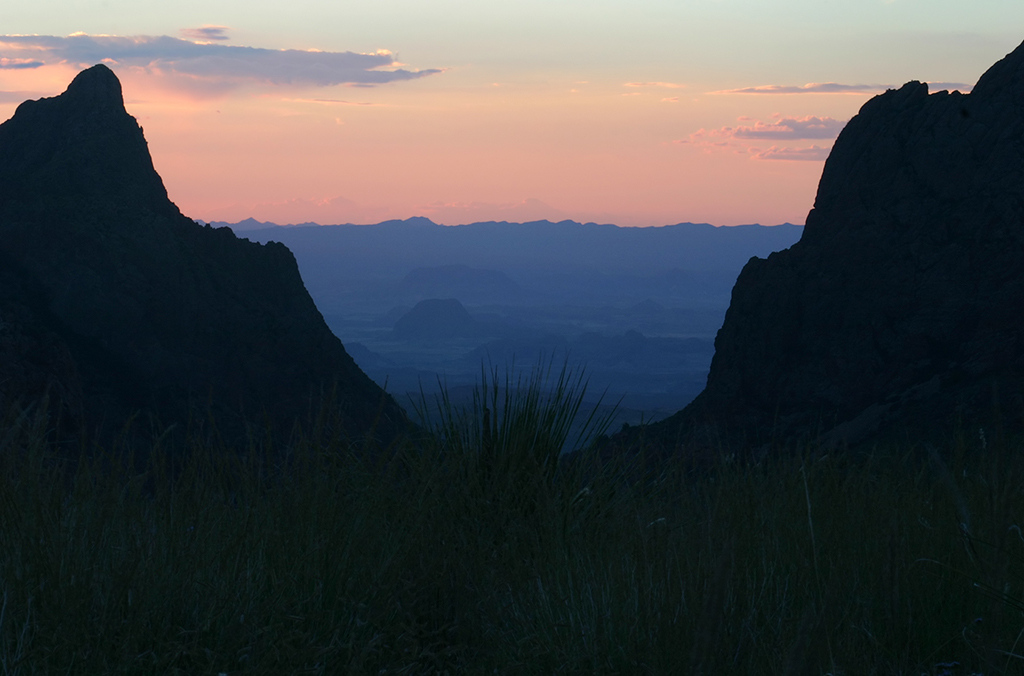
(475, 553)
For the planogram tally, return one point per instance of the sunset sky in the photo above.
(644, 112)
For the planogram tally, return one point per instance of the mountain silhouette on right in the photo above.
(899, 313)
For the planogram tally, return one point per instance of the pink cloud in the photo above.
(812, 154)
(835, 88)
(334, 102)
(666, 85)
(809, 127)
(810, 88)
(205, 33)
(791, 128)
(208, 66)
(19, 64)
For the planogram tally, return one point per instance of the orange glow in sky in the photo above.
(707, 119)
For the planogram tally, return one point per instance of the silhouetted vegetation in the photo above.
(476, 551)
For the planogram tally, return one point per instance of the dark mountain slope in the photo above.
(901, 308)
(151, 311)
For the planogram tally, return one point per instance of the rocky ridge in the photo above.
(899, 311)
(116, 303)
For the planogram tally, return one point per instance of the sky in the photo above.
(638, 112)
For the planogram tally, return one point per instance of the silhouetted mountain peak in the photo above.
(142, 307)
(1005, 79)
(80, 146)
(95, 89)
(900, 304)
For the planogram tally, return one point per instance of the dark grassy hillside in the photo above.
(478, 553)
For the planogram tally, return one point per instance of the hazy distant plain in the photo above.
(637, 308)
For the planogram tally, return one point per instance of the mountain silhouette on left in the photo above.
(114, 303)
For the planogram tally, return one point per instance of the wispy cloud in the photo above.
(811, 88)
(809, 127)
(205, 33)
(223, 66)
(835, 88)
(14, 64)
(812, 154)
(665, 85)
(790, 128)
(335, 102)
(737, 139)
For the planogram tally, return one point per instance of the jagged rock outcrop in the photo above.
(115, 303)
(901, 308)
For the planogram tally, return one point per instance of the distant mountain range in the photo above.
(348, 266)
(417, 302)
(565, 245)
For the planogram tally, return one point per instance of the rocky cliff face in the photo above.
(115, 301)
(902, 305)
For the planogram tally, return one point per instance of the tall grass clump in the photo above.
(473, 549)
(502, 451)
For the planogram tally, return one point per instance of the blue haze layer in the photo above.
(416, 303)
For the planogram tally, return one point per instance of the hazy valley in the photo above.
(417, 303)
